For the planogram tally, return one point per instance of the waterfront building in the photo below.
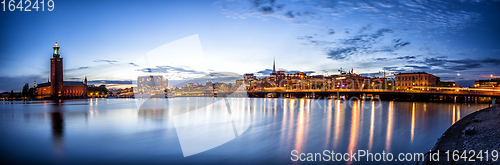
(57, 87)
(249, 76)
(489, 84)
(409, 80)
(151, 84)
(446, 84)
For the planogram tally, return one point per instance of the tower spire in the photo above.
(274, 65)
(56, 50)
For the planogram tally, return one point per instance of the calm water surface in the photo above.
(104, 131)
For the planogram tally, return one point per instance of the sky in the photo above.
(113, 42)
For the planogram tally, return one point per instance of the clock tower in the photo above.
(56, 73)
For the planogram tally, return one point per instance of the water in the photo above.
(103, 131)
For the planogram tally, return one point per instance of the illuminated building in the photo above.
(489, 84)
(148, 84)
(249, 76)
(57, 87)
(408, 80)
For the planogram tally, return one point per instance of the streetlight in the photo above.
(458, 79)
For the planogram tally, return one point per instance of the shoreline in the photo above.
(459, 135)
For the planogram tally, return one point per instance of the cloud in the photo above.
(458, 65)
(170, 69)
(417, 67)
(289, 14)
(432, 17)
(406, 57)
(133, 64)
(381, 59)
(106, 61)
(109, 82)
(16, 83)
(266, 72)
(341, 53)
(364, 43)
(74, 69)
(331, 31)
(394, 68)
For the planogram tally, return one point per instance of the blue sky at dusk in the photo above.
(103, 39)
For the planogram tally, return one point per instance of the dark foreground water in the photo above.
(215, 131)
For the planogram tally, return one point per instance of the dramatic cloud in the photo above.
(437, 17)
(458, 65)
(364, 43)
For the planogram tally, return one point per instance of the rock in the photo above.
(469, 130)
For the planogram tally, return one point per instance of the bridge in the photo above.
(414, 94)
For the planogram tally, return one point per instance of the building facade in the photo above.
(488, 84)
(151, 84)
(57, 87)
(409, 80)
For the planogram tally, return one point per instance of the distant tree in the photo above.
(11, 95)
(25, 91)
(98, 90)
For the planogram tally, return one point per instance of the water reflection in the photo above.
(339, 122)
(372, 125)
(115, 128)
(328, 122)
(299, 134)
(57, 125)
(354, 128)
(389, 126)
(412, 122)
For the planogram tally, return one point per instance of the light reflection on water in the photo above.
(114, 131)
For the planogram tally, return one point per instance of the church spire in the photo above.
(274, 65)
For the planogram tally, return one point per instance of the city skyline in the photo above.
(441, 38)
